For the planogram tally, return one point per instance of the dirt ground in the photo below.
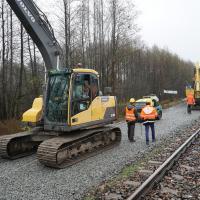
(9, 127)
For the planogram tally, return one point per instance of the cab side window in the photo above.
(81, 94)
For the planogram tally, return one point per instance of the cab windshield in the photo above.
(57, 98)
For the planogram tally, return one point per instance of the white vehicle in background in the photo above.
(140, 103)
(152, 96)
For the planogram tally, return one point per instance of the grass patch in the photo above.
(129, 170)
(89, 198)
(170, 103)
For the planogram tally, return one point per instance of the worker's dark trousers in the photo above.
(131, 130)
(147, 125)
(189, 108)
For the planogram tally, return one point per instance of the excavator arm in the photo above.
(41, 32)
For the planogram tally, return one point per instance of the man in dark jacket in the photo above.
(131, 116)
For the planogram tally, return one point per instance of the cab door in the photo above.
(96, 105)
(80, 105)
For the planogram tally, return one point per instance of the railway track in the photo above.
(159, 173)
(146, 182)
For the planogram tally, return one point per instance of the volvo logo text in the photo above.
(21, 3)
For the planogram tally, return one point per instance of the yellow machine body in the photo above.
(100, 110)
(34, 114)
(197, 81)
(83, 70)
(195, 88)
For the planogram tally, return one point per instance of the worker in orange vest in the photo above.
(190, 102)
(131, 116)
(149, 115)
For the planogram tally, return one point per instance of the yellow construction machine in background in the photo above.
(194, 89)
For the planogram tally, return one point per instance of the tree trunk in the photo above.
(21, 73)
(3, 96)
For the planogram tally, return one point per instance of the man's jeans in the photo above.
(147, 125)
(189, 108)
(131, 130)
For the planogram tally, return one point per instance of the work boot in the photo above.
(132, 140)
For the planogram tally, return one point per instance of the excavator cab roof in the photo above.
(69, 71)
(83, 70)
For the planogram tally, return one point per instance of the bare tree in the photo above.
(102, 35)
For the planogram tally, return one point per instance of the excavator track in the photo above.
(18, 145)
(64, 151)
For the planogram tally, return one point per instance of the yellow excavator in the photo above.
(195, 87)
(72, 119)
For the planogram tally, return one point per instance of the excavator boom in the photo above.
(41, 32)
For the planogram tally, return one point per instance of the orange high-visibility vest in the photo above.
(130, 116)
(148, 112)
(190, 99)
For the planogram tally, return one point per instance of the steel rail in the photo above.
(160, 172)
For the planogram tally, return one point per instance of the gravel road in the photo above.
(26, 178)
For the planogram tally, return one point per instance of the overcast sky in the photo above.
(174, 24)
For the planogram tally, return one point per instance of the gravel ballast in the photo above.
(26, 178)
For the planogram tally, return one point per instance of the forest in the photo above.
(102, 35)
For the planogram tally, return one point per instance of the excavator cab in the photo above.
(73, 102)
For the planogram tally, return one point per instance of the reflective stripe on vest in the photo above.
(130, 116)
(148, 112)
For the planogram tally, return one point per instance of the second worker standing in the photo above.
(131, 116)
